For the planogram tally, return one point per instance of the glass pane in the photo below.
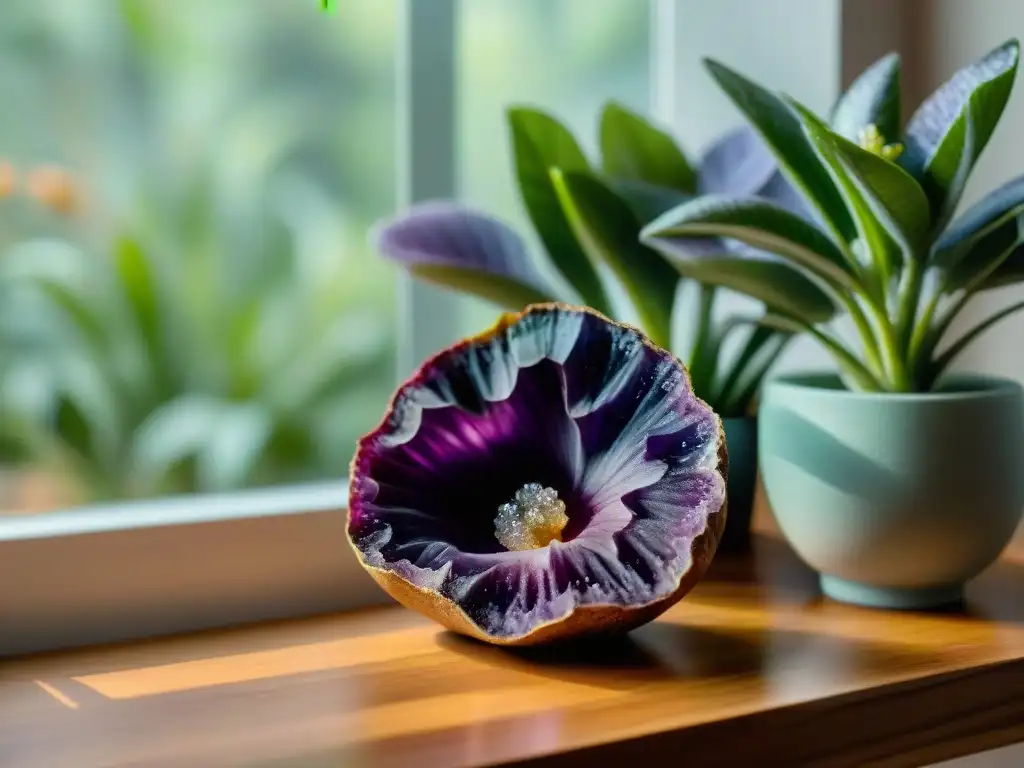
(567, 57)
(187, 299)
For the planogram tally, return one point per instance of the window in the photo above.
(571, 57)
(192, 305)
(194, 328)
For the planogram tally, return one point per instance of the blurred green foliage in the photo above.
(210, 315)
(208, 318)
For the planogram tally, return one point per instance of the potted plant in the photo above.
(896, 481)
(588, 217)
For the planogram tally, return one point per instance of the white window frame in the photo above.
(118, 572)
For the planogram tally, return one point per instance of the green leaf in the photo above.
(647, 201)
(782, 132)
(138, 284)
(751, 374)
(85, 321)
(760, 224)
(234, 448)
(703, 359)
(324, 363)
(881, 246)
(632, 148)
(90, 416)
(891, 194)
(990, 262)
(935, 135)
(872, 99)
(852, 371)
(174, 432)
(539, 143)
(503, 291)
(72, 425)
(734, 369)
(992, 212)
(779, 286)
(1009, 271)
(609, 231)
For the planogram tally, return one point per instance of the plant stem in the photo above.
(895, 368)
(931, 335)
(919, 338)
(867, 336)
(909, 299)
(759, 336)
(960, 344)
(862, 376)
(703, 357)
(740, 401)
(865, 379)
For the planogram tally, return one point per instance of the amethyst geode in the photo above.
(552, 477)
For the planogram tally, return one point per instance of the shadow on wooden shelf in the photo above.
(668, 651)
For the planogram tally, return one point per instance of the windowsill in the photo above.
(119, 572)
(176, 510)
(753, 663)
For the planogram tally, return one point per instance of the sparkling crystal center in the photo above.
(534, 518)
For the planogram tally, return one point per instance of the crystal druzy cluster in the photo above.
(552, 477)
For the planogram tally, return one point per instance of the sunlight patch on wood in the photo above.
(67, 701)
(261, 665)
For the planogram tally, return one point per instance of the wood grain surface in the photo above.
(754, 668)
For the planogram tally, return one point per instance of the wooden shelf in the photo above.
(754, 668)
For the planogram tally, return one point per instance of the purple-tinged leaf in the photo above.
(872, 99)
(780, 129)
(1009, 272)
(779, 191)
(991, 260)
(740, 164)
(782, 287)
(760, 224)
(996, 208)
(737, 164)
(936, 132)
(883, 248)
(891, 194)
(458, 247)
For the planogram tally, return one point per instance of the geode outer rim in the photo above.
(589, 619)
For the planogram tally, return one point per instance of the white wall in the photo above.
(957, 32)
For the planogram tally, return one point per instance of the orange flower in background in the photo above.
(54, 187)
(8, 179)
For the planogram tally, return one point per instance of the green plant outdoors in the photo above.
(881, 248)
(588, 217)
(205, 318)
(131, 372)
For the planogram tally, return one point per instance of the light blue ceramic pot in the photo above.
(896, 499)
